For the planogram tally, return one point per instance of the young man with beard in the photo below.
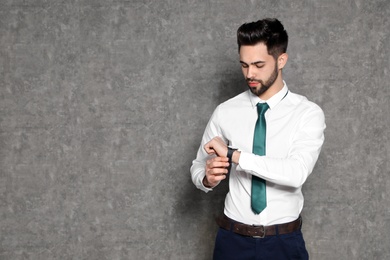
(268, 140)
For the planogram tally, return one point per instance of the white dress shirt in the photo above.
(295, 134)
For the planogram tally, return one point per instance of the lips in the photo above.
(253, 83)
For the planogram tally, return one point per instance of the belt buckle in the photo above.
(262, 231)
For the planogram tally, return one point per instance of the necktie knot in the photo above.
(261, 108)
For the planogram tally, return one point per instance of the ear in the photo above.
(282, 60)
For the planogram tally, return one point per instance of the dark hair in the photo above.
(269, 31)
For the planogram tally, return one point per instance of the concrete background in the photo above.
(103, 104)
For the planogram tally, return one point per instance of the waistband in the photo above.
(258, 231)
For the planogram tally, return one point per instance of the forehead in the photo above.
(254, 53)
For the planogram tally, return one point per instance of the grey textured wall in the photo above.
(103, 104)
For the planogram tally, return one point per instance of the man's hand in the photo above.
(216, 170)
(216, 146)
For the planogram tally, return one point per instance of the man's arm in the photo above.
(209, 169)
(291, 171)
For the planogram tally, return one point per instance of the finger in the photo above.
(219, 159)
(216, 159)
(216, 178)
(218, 164)
(209, 149)
(216, 171)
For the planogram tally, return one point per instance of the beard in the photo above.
(264, 86)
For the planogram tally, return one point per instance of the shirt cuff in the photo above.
(244, 161)
(202, 187)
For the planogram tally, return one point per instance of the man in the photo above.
(267, 139)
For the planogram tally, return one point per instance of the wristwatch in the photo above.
(229, 156)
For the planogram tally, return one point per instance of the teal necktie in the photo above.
(259, 196)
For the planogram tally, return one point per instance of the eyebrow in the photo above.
(253, 63)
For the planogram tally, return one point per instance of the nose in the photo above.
(250, 73)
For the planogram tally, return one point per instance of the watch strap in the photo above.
(229, 156)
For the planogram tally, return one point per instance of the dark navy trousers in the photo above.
(229, 245)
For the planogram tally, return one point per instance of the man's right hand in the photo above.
(216, 170)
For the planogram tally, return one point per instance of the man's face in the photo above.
(259, 68)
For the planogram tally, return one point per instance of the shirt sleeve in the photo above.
(293, 170)
(198, 165)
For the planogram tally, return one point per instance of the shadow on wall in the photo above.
(194, 202)
(195, 209)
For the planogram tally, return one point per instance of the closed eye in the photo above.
(244, 65)
(258, 64)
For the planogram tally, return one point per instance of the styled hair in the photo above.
(269, 31)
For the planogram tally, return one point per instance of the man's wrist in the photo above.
(230, 157)
(206, 183)
(236, 156)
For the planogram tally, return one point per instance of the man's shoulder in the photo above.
(238, 100)
(302, 101)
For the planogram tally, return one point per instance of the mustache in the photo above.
(253, 80)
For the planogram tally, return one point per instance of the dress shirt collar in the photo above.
(273, 101)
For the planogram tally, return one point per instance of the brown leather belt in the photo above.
(258, 231)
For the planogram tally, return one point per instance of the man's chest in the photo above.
(239, 128)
